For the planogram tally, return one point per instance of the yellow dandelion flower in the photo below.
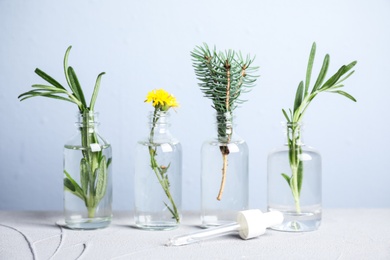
(161, 99)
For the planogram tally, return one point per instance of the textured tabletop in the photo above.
(344, 234)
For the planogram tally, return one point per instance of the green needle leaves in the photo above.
(93, 165)
(223, 76)
(333, 85)
(303, 98)
(57, 91)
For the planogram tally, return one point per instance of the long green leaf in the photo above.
(66, 64)
(75, 86)
(345, 94)
(334, 79)
(322, 74)
(49, 96)
(287, 178)
(49, 79)
(101, 184)
(300, 175)
(95, 91)
(286, 116)
(84, 175)
(76, 189)
(310, 67)
(298, 96)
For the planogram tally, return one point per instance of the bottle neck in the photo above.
(87, 120)
(159, 124)
(225, 126)
(293, 133)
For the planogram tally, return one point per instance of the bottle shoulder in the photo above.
(304, 148)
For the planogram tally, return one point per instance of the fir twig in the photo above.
(223, 77)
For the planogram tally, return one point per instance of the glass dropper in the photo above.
(250, 223)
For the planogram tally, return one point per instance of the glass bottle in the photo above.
(294, 182)
(158, 177)
(224, 174)
(87, 176)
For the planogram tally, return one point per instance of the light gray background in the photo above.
(144, 45)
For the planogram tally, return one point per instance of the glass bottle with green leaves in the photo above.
(294, 171)
(87, 156)
(223, 77)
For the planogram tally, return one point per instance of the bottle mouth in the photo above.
(89, 117)
(292, 124)
(225, 116)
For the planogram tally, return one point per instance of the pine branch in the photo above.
(223, 77)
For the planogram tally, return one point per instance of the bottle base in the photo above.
(298, 222)
(156, 226)
(88, 224)
(210, 221)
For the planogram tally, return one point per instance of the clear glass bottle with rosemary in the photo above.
(294, 171)
(87, 156)
(223, 77)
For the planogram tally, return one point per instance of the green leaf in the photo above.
(170, 210)
(75, 86)
(71, 185)
(95, 91)
(287, 178)
(322, 74)
(84, 175)
(66, 64)
(49, 79)
(286, 116)
(345, 94)
(348, 75)
(298, 96)
(310, 67)
(300, 175)
(109, 161)
(335, 78)
(49, 95)
(101, 184)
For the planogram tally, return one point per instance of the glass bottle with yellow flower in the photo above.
(158, 169)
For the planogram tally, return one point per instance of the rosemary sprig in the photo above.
(303, 98)
(223, 77)
(93, 165)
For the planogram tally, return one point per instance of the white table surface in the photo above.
(344, 234)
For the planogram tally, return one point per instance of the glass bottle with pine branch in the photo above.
(87, 155)
(294, 170)
(223, 77)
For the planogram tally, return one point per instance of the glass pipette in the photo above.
(250, 223)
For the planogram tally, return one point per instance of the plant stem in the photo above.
(88, 136)
(295, 152)
(224, 149)
(91, 212)
(160, 171)
(225, 153)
